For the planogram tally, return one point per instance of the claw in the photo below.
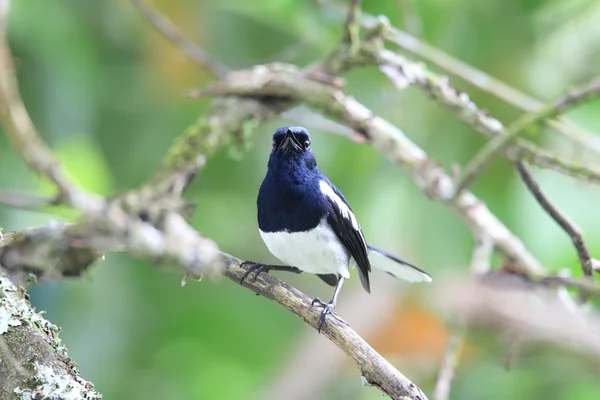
(327, 309)
(318, 301)
(255, 267)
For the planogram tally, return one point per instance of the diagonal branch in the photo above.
(565, 223)
(403, 72)
(480, 80)
(23, 134)
(374, 368)
(528, 123)
(172, 34)
(19, 200)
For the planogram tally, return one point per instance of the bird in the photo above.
(306, 222)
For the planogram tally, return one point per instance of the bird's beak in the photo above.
(289, 143)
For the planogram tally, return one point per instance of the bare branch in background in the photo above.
(480, 264)
(19, 200)
(482, 81)
(510, 304)
(171, 33)
(529, 124)
(23, 134)
(403, 72)
(352, 28)
(565, 223)
(449, 363)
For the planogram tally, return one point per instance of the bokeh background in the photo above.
(106, 91)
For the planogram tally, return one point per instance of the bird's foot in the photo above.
(327, 309)
(255, 267)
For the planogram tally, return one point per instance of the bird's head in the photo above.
(291, 145)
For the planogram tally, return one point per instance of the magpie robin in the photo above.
(307, 223)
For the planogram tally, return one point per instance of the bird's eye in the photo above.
(274, 145)
(307, 145)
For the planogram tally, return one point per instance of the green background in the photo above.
(105, 91)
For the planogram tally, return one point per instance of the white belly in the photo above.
(317, 251)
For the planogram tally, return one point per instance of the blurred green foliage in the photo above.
(106, 92)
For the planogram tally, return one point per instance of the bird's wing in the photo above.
(343, 222)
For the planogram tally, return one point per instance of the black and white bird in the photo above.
(307, 223)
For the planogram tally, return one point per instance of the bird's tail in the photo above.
(395, 266)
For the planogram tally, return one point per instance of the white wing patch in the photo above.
(344, 209)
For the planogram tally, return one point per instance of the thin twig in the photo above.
(481, 80)
(171, 33)
(352, 28)
(565, 223)
(446, 375)
(480, 264)
(19, 200)
(528, 123)
(403, 72)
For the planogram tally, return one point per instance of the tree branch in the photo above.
(514, 304)
(172, 34)
(529, 124)
(19, 200)
(33, 361)
(480, 264)
(22, 132)
(562, 220)
(374, 368)
(403, 72)
(481, 80)
(352, 28)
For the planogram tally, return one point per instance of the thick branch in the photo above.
(373, 367)
(59, 249)
(33, 361)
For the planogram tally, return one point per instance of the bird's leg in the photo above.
(328, 307)
(258, 268)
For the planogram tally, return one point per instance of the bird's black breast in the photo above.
(289, 200)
